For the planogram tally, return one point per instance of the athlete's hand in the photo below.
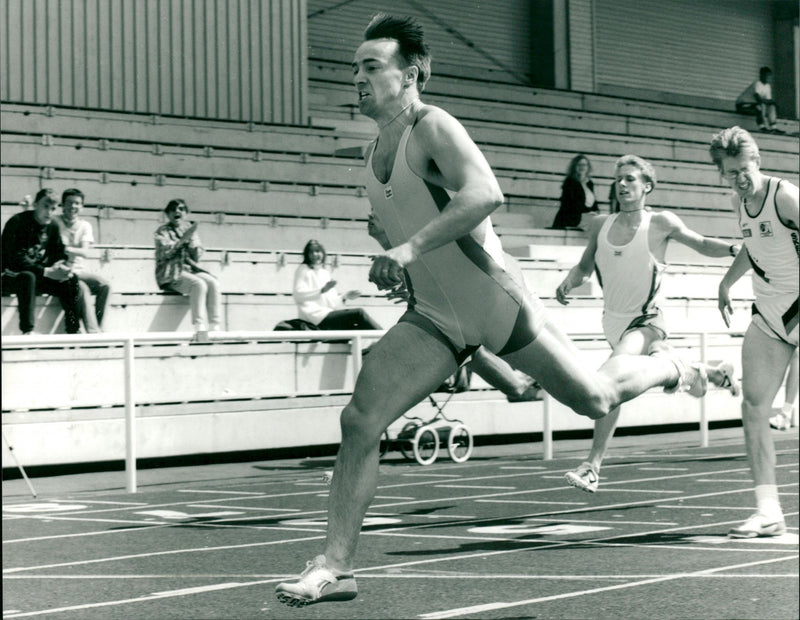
(387, 269)
(561, 293)
(399, 294)
(724, 304)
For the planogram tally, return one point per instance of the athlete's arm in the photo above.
(707, 246)
(740, 266)
(786, 202)
(458, 165)
(581, 272)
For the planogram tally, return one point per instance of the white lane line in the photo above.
(616, 521)
(433, 475)
(470, 486)
(148, 525)
(119, 558)
(253, 508)
(663, 468)
(219, 492)
(393, 497)
(468, 611)
(138, 599)
(523, 467)
(747, 509)
(96, 501)
(655, 491)
(528, 501)
(738, 480)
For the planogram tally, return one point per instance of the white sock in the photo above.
(787, 409)
(767, 500)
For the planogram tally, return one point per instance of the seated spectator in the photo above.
(178, 252)
(35, 261)
(78, 239)
(757, 99)
(577, 194)
(317, 299)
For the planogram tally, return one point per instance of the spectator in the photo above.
(178, 252)
(577, 194)
(78, 239)
(757, 99)
(316, 297)
(35, 261)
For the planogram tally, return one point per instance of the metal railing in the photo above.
(354, 337)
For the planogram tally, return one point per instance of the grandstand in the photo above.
(261, 185)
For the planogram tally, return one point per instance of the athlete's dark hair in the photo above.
(72, 191)
(763, 72)
(313, 244)
(174, 204)
(409, 35)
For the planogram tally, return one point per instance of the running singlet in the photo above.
(631, 280)
(774, 251)
(469, 289)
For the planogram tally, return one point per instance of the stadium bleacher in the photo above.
(260, 192)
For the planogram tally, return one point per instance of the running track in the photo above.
(500, 536)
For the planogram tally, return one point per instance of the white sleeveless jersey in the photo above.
(774, 251)
(772, 246)
(629, 274)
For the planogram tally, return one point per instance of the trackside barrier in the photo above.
(355, 338)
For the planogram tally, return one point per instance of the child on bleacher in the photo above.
(178, 252)
(627, 250)
(78, 238)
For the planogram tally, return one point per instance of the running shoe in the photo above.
(584, 478)
(759, 525)
(728, 381)
(780, 421)
(317, 584)
(692, 378)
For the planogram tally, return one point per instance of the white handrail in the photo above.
(355, 337)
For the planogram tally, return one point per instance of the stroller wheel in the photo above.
(405, 439)
(426, 445)
(459, 443)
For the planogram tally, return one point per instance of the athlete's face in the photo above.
(631, 187)
(379, 77)
(742, 174)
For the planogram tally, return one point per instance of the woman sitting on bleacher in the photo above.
(577, 194)
(178, 252)
(316, 297)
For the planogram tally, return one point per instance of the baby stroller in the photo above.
(420, 440)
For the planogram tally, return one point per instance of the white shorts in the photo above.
(616, 325)
(778, 317)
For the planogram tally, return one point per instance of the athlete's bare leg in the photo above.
(554, 361)
(404, 367)
(633, 342)
(764, 362)
(497, 373)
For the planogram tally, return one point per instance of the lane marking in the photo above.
(219, 492)
(253, 508)
(470, 486)
(528, 501)
(432, 475)
(393, 497)
(133, 556)
(663, 468)
(177, 515)
(655, 491)
(467, 611)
